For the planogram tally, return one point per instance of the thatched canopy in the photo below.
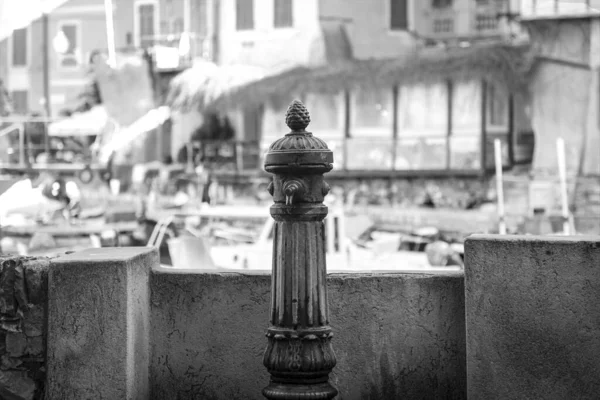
(503, 64)
(199, 86)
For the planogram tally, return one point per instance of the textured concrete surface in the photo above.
(396, 336)
(23, 299)
(98, 329)
(532, 315)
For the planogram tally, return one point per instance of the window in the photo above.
(371, 129)
(466, 108)
(372, 112)
(398, 15)
(422, 127)
(441, 3)
(19, 48)
(327, 115)
(465, 147)
(20, 101)
(274, 118)
(283, 14)
(147, 24)
(244, 15)
(71, 58)
(497, 107)
(199, 17)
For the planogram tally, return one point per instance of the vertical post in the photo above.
(511, 130)
(562, 173)
(499, 186)
(46, 52)
(483, 144)
(347, 122)
(110, 32)
(396, 94)
(449, 91)
(21, 145)
(299, 354)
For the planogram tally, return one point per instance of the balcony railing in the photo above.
(533, 9)
(178, 50)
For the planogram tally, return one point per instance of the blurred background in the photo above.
(460, 115)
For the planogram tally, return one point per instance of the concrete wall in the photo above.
(396, 336)
(532, 315)
(23, 299)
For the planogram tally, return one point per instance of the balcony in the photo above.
(178, 51)
(554, 9)
(441, 23)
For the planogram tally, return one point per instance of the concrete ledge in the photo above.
(396, 335)
(98, 329)
(532, 314)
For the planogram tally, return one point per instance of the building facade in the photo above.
(73, 32)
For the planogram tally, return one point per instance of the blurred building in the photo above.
(458, 117)
(565, 92)
(72, 32)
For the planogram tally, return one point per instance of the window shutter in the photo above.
(398, 14)
(244, 14)
(19, 48)
(283, 14)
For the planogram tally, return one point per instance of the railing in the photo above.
(22, 144)
(556, 8)
(178, 50)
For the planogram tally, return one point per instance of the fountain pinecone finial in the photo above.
(297, 117)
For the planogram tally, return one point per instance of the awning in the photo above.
(127, 135)
(88, 123)
(17, 14)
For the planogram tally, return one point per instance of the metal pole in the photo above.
(21, 145)
(562, 172)
(46, 57)
(499, 186)
(299, 355)
(110, 32)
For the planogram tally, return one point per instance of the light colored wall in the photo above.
(266, 46)
(564, 97)
(368, 26)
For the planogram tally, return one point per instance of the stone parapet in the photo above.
(23, 299)
(98, 326)
(532, 317)
(396, 335)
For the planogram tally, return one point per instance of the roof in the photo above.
(504, 64)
